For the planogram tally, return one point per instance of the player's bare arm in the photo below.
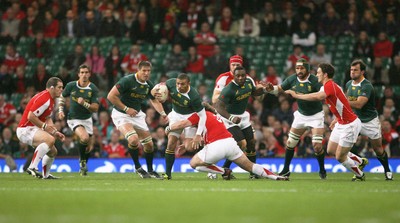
(359, 103)
(215, 96)
(317, 96)
(159, 108)
(221, 109)
(113, 97)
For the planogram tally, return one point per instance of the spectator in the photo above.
(90, 6)
(40, 77)
(51, 27)
(67, 147)
(70, 27)
(75, 59)
(192, 17)
(390, 139)
(215, 65)
(7, 112)
(105, 126)
(205, 41)
(166, 34)
(115, 149)
(269, 26)
(210, 16)
(9, 149)
(90, 26)
(350, 25)
(320, 56)
(196, 62)
(272, 76)
(127, 22)
(160, 141)
(369, 23)
(202, 89)
(109, 26)
(328, 24)
(40, 48)
(383, 46)
(378, 75)
(239, 50)
(304, 37)
(142, 30)
(394, 71)
(184, 36)
(396, 47)
(130, 61)
(21, 82)
(294, 57)
(12, 58)
(175, 60)
(9, 27)
(112, 66)
(390, 24)
(363, 47)
(156, 12)
(289, 24)
(248, 26)
(6, 81)
(30, 24)
(95, 61)
(284, 113)
(226, 26)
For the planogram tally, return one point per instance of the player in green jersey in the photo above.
(231, 106)
(83, 97)
(185, 101)
(308, 115)
(361, 95)
(127, 97)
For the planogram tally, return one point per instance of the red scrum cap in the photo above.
(236, 59)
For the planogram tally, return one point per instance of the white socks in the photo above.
(354, 157)
(46, 165)
(40, 152)
(211, 169)
(351, 165)
(261, 171)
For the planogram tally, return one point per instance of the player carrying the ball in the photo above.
(127, 96)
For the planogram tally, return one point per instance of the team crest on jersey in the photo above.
(90, 94)
(359, 92)
(179, 95)
(249, 85)
(185, 102)
(309, 88)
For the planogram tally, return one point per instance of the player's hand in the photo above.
(131, 112)
(181, 150)
(165, 118)
(269, 86)
(197, 142)
(291, 92)
(81, 100)
(60, 136)
(333, 123)
(61, 115)
(236, 120)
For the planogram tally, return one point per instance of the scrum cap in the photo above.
(236, 59)
(303, 62)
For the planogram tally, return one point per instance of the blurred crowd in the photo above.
(112, 36)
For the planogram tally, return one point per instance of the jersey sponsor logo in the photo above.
(244, 96)
(81, 91)
(140, 96)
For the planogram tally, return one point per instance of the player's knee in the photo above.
(293, 140)
(84, 139)
(53, 152)
(50, 141)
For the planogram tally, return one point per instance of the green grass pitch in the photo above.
(192, 197)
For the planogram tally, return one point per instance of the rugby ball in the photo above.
(163, 90)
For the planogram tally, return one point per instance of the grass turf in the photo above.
(191, 197)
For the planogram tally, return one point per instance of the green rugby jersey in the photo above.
(235, 97)
(308, 86)
(186, 103)
(365, 89)
(74, 91)
(132, 92)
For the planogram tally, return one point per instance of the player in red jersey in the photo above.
(219, 145)
(36, 128)
(348, 125)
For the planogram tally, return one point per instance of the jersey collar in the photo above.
(358, 84)
(77, 85)
(306, 80)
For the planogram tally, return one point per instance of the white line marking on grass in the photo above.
(231, 190)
